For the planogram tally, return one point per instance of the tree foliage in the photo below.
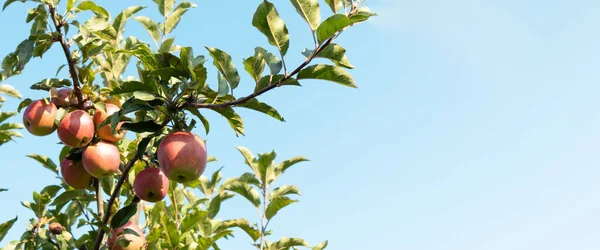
(170, 93)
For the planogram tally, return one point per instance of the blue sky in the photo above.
(475, 125)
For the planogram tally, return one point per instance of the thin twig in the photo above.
(65, 46)
(85, 214)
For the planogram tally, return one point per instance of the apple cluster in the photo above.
(181, 155)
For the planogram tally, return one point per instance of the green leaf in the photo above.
(132, 86)
(49, 83)
(24, 104)
(310, 11)
(225, 65)
(328, 73)
(264, 108)
(175, 17)
(275, 65)
(286, 243)
(4, 227)
(333, 52)
(361, 15)
(334, 5)
(165, 6)
(6, 115)
(215, 204)
(70, 195)
(267, 20)
(142, 127)
(150, 26)
(186, 56)
(243, 189)
(242, 224)
(141, 150)
(45, 161)
(283, 191)
(203, 119)
(51, 190)
(331, 26)
(10, 91)
(92, 6)
(191, 220)
(320, 246)
(255, 65)
(123, 215)
(235, 121)
(283, 166)
(277, 204)
(165, 46)
(265, 166)
(3, 190)
(251, 179)
(250, 160)
(8, 2)
(223, 85)
(121, 19)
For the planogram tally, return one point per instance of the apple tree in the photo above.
(130, 170)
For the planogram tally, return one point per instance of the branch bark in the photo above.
(67, 51)
(99, 201)
(111, 201)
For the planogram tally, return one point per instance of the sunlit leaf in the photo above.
(267, 20)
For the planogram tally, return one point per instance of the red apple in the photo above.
(39, 117)
(63, 98)
(101, 159)
(151, 185)
(135, 242)
(76, 129)
(182, 156)
(105, 132)
(74, 174)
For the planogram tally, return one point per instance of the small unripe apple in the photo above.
(63, 98)
(76, 129)
(101, 159)
(182, 156)
(55, 228)
(39, 117)
(135, 242)
(74, 174)
(105, 132)
(151, 185)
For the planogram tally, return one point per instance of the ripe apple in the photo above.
(135, 242)
(101, 159)
(105, 132)
(76, 129)
(55, 228)
(74, 174)
(151, 185)
(182, 156)
(63, 98)
(39, 117)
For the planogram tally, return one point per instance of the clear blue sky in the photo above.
(476, 125)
